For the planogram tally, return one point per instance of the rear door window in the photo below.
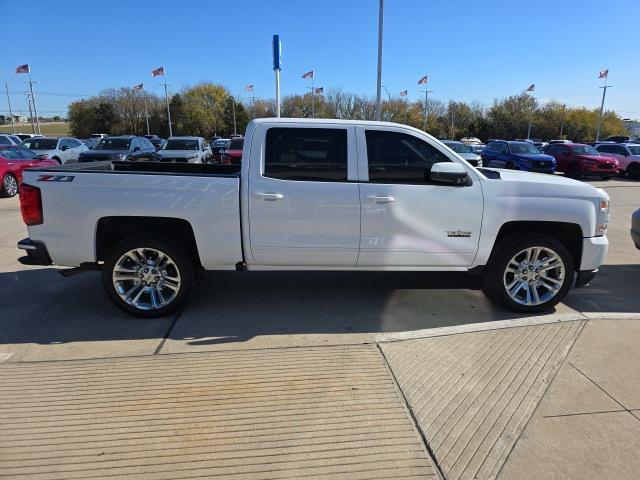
(305, 154)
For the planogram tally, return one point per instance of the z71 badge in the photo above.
(55, 178)
(458, 234)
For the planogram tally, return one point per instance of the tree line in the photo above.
(207, 109)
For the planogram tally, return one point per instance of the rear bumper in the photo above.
(37, 253)
(594, 251)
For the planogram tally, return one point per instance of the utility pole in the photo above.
(604, 93)
(233, 109)
(13, 123)
(33, 125)
(379, 82)
(562, 121)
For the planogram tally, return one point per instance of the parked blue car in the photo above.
(517, 156)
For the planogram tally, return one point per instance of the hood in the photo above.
(104, 153)
(598, 158)
(179, 153)
(470, 156)
(540, 157)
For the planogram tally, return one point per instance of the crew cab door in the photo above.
(406, 219)
(304, 206)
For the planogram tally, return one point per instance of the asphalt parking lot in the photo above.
(343, 328)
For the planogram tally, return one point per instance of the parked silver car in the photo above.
(465, 151)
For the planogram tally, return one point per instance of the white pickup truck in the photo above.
(316, 195)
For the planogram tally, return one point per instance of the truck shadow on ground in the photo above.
(40, 306)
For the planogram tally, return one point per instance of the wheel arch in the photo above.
(570, 234)
(112, 230)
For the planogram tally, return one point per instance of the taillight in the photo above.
(30, 204)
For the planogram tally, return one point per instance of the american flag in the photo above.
(531, 88)
(423, 80)
(157, 72)
(319, 90)
(138, 87)
(404, 93)
(309, 74)
(249, 88)
(603, 73)
(23, 68)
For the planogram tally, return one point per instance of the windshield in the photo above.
(236, 144)
(181, 144)
(41, 143)
(458, 147)
(585, 150)
(523, 148)
(221, 143)
(113, 144)
(634, 149)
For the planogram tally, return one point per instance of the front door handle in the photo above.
(381, 199)
(270, 196)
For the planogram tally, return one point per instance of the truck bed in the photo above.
(171, 168)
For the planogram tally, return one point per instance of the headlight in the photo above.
(602, 214)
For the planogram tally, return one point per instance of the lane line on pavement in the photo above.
(412, 416)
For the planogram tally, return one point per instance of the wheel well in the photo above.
(570, 234)
(112, 230)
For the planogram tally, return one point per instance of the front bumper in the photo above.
(594, 251)
(37, 253)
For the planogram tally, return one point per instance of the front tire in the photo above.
(9, 187)
(529, 272)
(148, 277)
(633, 171)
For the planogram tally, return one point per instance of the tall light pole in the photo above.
(564, 107)
(13, 123)
(379, 82)
(604, 74)
(33, 125)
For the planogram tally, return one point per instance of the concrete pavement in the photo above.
(466, 375)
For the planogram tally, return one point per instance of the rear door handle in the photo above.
(381, 199)
(270, 196)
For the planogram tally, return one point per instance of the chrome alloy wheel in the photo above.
(146, 278)
(534, 276)
(10, 185)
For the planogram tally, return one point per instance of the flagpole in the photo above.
(33, 100)
(233, 108)
(379, 79)
(33, 125)
(405, 110)
(426, 106)
(146, 112)
(166, 97)
(313, 97)
(13, 124)
(604, 92)
(253, 102)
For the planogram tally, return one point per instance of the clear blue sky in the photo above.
(471, 50)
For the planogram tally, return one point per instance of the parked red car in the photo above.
(577, 160)
(13, 160)
(233, 153)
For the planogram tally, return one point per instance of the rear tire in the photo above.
(57, 160)
(528, 272)
(633, 171)
(148, 277)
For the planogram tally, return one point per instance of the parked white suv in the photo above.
(9, 140)
(185, 150)
(628, 155)
(62, 150)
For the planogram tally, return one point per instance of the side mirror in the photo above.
(450, 173)
(64, 148)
